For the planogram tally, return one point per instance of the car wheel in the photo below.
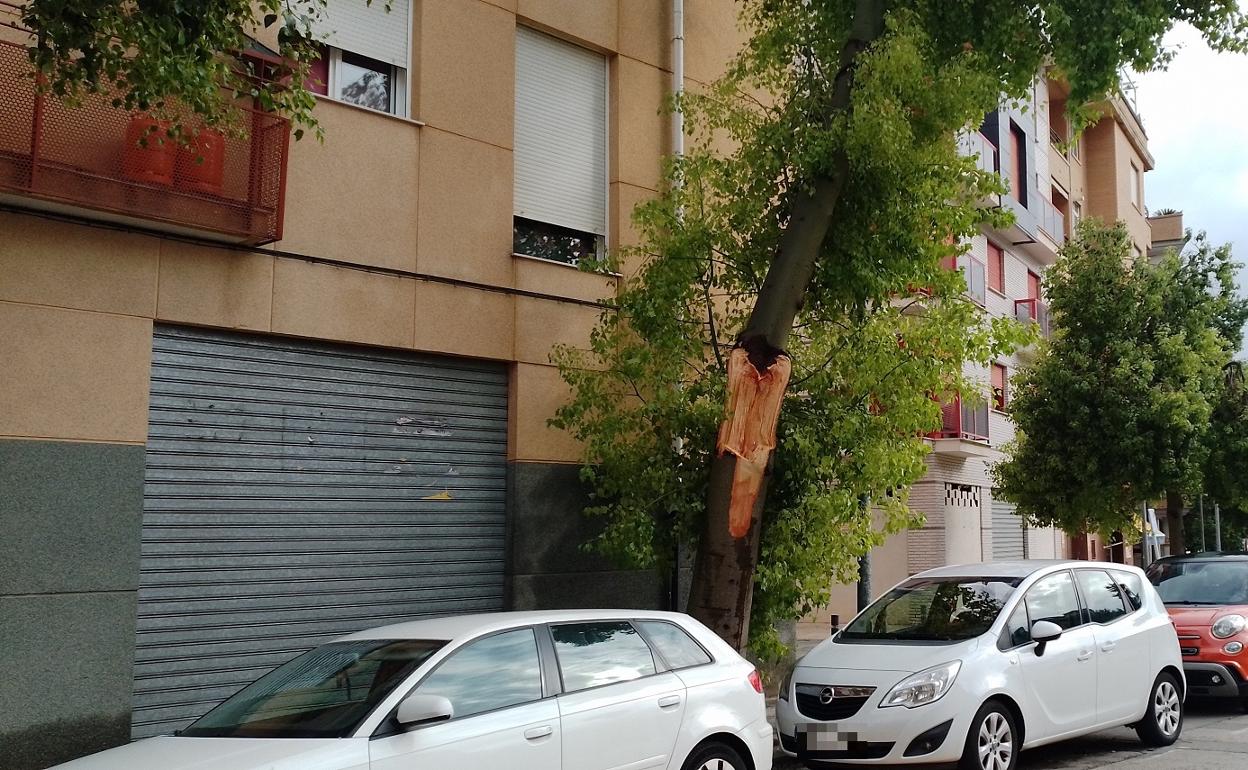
(993, 741)
(1163, 722)
(714, 756)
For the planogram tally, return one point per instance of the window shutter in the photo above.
(561, 133)
(368, 29)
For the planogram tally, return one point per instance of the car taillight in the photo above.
(756, 682)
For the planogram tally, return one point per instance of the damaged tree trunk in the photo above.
(723, 575)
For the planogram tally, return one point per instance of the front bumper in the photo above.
(1214, 680)
(873, 735)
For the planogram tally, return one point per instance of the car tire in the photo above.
(993, 742)
(714, 756)
(1163, 722)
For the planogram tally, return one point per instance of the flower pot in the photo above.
(148, 153)
(201, 163)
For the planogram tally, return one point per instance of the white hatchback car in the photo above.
(972, 664)
(584, 690)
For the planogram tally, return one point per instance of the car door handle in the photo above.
(1085, 655)
(669, 701)
(537, 733)
(1108, 646)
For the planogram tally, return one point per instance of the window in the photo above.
(364, 59)
(996, 267)
(1102, 598)
(1076, 214)
(324, 693)
(1074, 148)
(491, 673)
(1137, 185)
(676, 646)
(1132, 587)
(560, 149)
(1017, 629)
(999, 377)
(1053, 599)
(1033, 285)
(973, 271)
(933, 609)
(594, 654)
(1018, 167)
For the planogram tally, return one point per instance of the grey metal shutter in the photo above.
(561, 133)
(297, 491)
(1009, 535)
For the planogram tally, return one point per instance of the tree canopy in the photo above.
(1121, 407)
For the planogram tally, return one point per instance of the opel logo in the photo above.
(827, 695)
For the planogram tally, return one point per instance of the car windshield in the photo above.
(324, 693)
(1201, 582)
(934, 609)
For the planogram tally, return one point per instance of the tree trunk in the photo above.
(1174, 523)
(723, 575)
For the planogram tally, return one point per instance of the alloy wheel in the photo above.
(1167, 708)
(995, 743)
(717, 764)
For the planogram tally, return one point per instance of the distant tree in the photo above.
(1118, 407)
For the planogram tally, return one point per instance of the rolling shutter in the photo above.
(1009, 535)
(561, 133)
(297, 491)
(368, 28)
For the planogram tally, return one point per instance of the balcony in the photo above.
(1033, 311)
(964, 430)
(976, 276)
(1052, 222)
(101, 162)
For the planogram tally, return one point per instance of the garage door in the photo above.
(1009, 536)
(297, 491)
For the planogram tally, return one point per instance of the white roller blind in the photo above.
(368, 29)
(561, 133)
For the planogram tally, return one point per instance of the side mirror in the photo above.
(418, 709)
(1043, 632)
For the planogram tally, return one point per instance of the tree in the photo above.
(840, 193)
(1117, 410)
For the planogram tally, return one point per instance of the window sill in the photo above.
(370, 110)
(1000, 294)
(557, 263)
(1002, 412)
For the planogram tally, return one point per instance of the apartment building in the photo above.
(297, 389)
(1051, 184)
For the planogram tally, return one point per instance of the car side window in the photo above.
(1132, 587)
(491, 673)
(594, 654)
(1102, 596)
(1017, 629)
(1054, 599)
(677, 647)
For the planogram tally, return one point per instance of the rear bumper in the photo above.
(1214, 680)
(761, 739)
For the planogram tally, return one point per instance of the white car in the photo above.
(583, 690)
(972, 664)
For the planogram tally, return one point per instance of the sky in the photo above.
(1196, 117)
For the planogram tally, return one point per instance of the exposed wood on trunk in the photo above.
(723, 576)
(749, 430)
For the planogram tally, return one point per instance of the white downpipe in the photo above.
(678, 75)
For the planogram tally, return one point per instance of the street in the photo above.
(1215, 737)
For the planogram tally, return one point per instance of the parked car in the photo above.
(972, 664)
(584, 690)
(1207, 596)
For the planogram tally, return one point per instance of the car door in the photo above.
(618, 709)
(501, 719)
(1122, 668)
(1061, 683)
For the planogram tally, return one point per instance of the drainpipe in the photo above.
(678, 75)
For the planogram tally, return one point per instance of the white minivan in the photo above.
(578, 689)
(972, 664)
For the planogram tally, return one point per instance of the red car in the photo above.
(1207, 596)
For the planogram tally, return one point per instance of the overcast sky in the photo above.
(1196, 117)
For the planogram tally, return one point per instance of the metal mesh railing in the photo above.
(98, 157)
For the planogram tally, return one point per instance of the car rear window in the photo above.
(677, 647)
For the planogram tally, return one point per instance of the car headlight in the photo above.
(1227, 626)
(922, 688)
(785, 684)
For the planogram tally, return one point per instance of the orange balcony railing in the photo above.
(960, 420)
(106, 163)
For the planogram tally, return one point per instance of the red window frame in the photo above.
(1033, 285)
(996, 267)
(1000, 380)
